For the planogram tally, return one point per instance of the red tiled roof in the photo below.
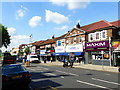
(116, 23)
(38, 42)
(50, 41)
(96, 25)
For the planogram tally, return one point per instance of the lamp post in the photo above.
(102, 52)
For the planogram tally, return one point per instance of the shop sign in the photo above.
(42, 51)
(116, 45)
(99, 44)
(48, 46)
(74, 48)
(59, 49)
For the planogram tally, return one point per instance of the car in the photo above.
(14, 77)
(33, 58)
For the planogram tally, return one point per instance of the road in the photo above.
(60, 77)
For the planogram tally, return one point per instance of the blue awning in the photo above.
(60, 54)
(78, 53)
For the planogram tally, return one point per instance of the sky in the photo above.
(42, 20)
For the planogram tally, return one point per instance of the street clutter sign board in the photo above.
(74, 48)
(42, 51)
(59, 49)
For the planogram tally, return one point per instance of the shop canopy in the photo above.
(78, 53)
(60, 54)
(66, 54)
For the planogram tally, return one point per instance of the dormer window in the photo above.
(75, 33)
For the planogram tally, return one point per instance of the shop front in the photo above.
(98, 53)
(116, 52)
(42, 54)
(60, 53)
(77, 50)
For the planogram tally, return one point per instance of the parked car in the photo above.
(33, 58)
(14, 77)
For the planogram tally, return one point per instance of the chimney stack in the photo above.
(78, 25)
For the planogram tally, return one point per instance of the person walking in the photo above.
(72, 58)
(51, 59)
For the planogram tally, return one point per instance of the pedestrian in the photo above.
(51, 59)
(65, 62)
(45, 59)
(72, 58)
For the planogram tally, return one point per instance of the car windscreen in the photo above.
(10, 69)
(34, 57)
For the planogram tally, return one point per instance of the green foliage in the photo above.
(20, 52)
(5, 36)
(27, 50)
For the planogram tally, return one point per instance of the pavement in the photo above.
(84, 66)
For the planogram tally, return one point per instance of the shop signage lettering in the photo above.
(96, 44)
(74, 48)
(59, 49)
(100, 44)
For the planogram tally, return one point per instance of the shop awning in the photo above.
(60, 54)
(78, 53)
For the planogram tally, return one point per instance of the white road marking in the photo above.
(62, 77)
(43, 68)
(67, 73)
(36, 80)
(93, 84)
(87, 71)
(105, 81)
(107, 74)
(51, 74)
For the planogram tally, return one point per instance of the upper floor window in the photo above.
(103, 34)
(91, 37)
(80, 39)
(69, 41)
(119, 33)
(74, 39)
(59, 43)
(97, 36)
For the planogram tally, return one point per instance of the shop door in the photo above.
(116, 57)
(89, 58)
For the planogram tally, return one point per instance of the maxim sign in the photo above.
(100, 44)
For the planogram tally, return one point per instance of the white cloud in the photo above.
(71, 4)
(55, 17)
(11, 30)
(35, 21)
(21, 12)
(20, 37)
(17, 40)
(62, 28)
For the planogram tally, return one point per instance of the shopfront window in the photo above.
(99, 56)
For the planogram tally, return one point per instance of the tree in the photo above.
(20, 52)
(27, 51)
(4, 36)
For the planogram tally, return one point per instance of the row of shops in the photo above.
(96, 53)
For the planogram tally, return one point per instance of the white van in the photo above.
(33, 58)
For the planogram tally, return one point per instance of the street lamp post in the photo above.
(102, 52)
